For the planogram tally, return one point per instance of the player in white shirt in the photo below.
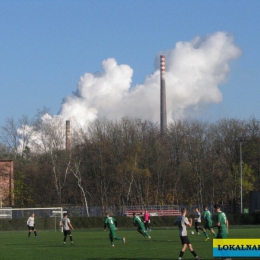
(182, 222)
(66, 224)
(31, 226)
(197, 220)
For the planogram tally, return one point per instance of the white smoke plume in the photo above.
(194, 72)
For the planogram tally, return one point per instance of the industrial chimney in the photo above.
(67, 135)
(163, 97)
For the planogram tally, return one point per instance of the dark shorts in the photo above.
(31, 228)
(185, 240)
(197, 224)
(66, 232)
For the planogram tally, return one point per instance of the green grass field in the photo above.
(90, 244)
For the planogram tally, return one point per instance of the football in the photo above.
(192, 232)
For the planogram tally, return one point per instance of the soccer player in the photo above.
(31, 226)
(147, 220)
(222, 225)
(111, 223)
(66, 224)
(140, 225)
(182, 221)
(197, 220)
(222, 222)
(208, 223)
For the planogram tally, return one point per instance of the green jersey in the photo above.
(222, 219)
(207, 217)
(111, 223)
(138, 221)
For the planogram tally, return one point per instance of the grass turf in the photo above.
(94, 244)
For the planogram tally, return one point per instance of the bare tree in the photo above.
(49, 138)
(16, 135)
(76, 171)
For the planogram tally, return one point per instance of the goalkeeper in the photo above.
(31, 226)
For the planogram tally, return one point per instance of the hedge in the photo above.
(123, 222)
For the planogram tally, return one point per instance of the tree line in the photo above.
(129, 162)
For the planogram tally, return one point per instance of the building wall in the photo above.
(6, 183)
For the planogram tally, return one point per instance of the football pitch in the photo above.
(94, 244)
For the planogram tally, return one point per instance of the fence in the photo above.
(172, 210)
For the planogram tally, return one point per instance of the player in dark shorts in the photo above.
(182, 221)
(31, 226)
(66, 224)
(197, 220)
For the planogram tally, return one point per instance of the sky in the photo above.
(85, 59)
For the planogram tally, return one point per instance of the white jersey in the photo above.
(65, 223)
(198, 217)
(182, 221)
(30, 221)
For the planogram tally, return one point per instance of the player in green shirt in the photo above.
(140, 225)
(208, 223)
(111, 223)
(222, 222)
